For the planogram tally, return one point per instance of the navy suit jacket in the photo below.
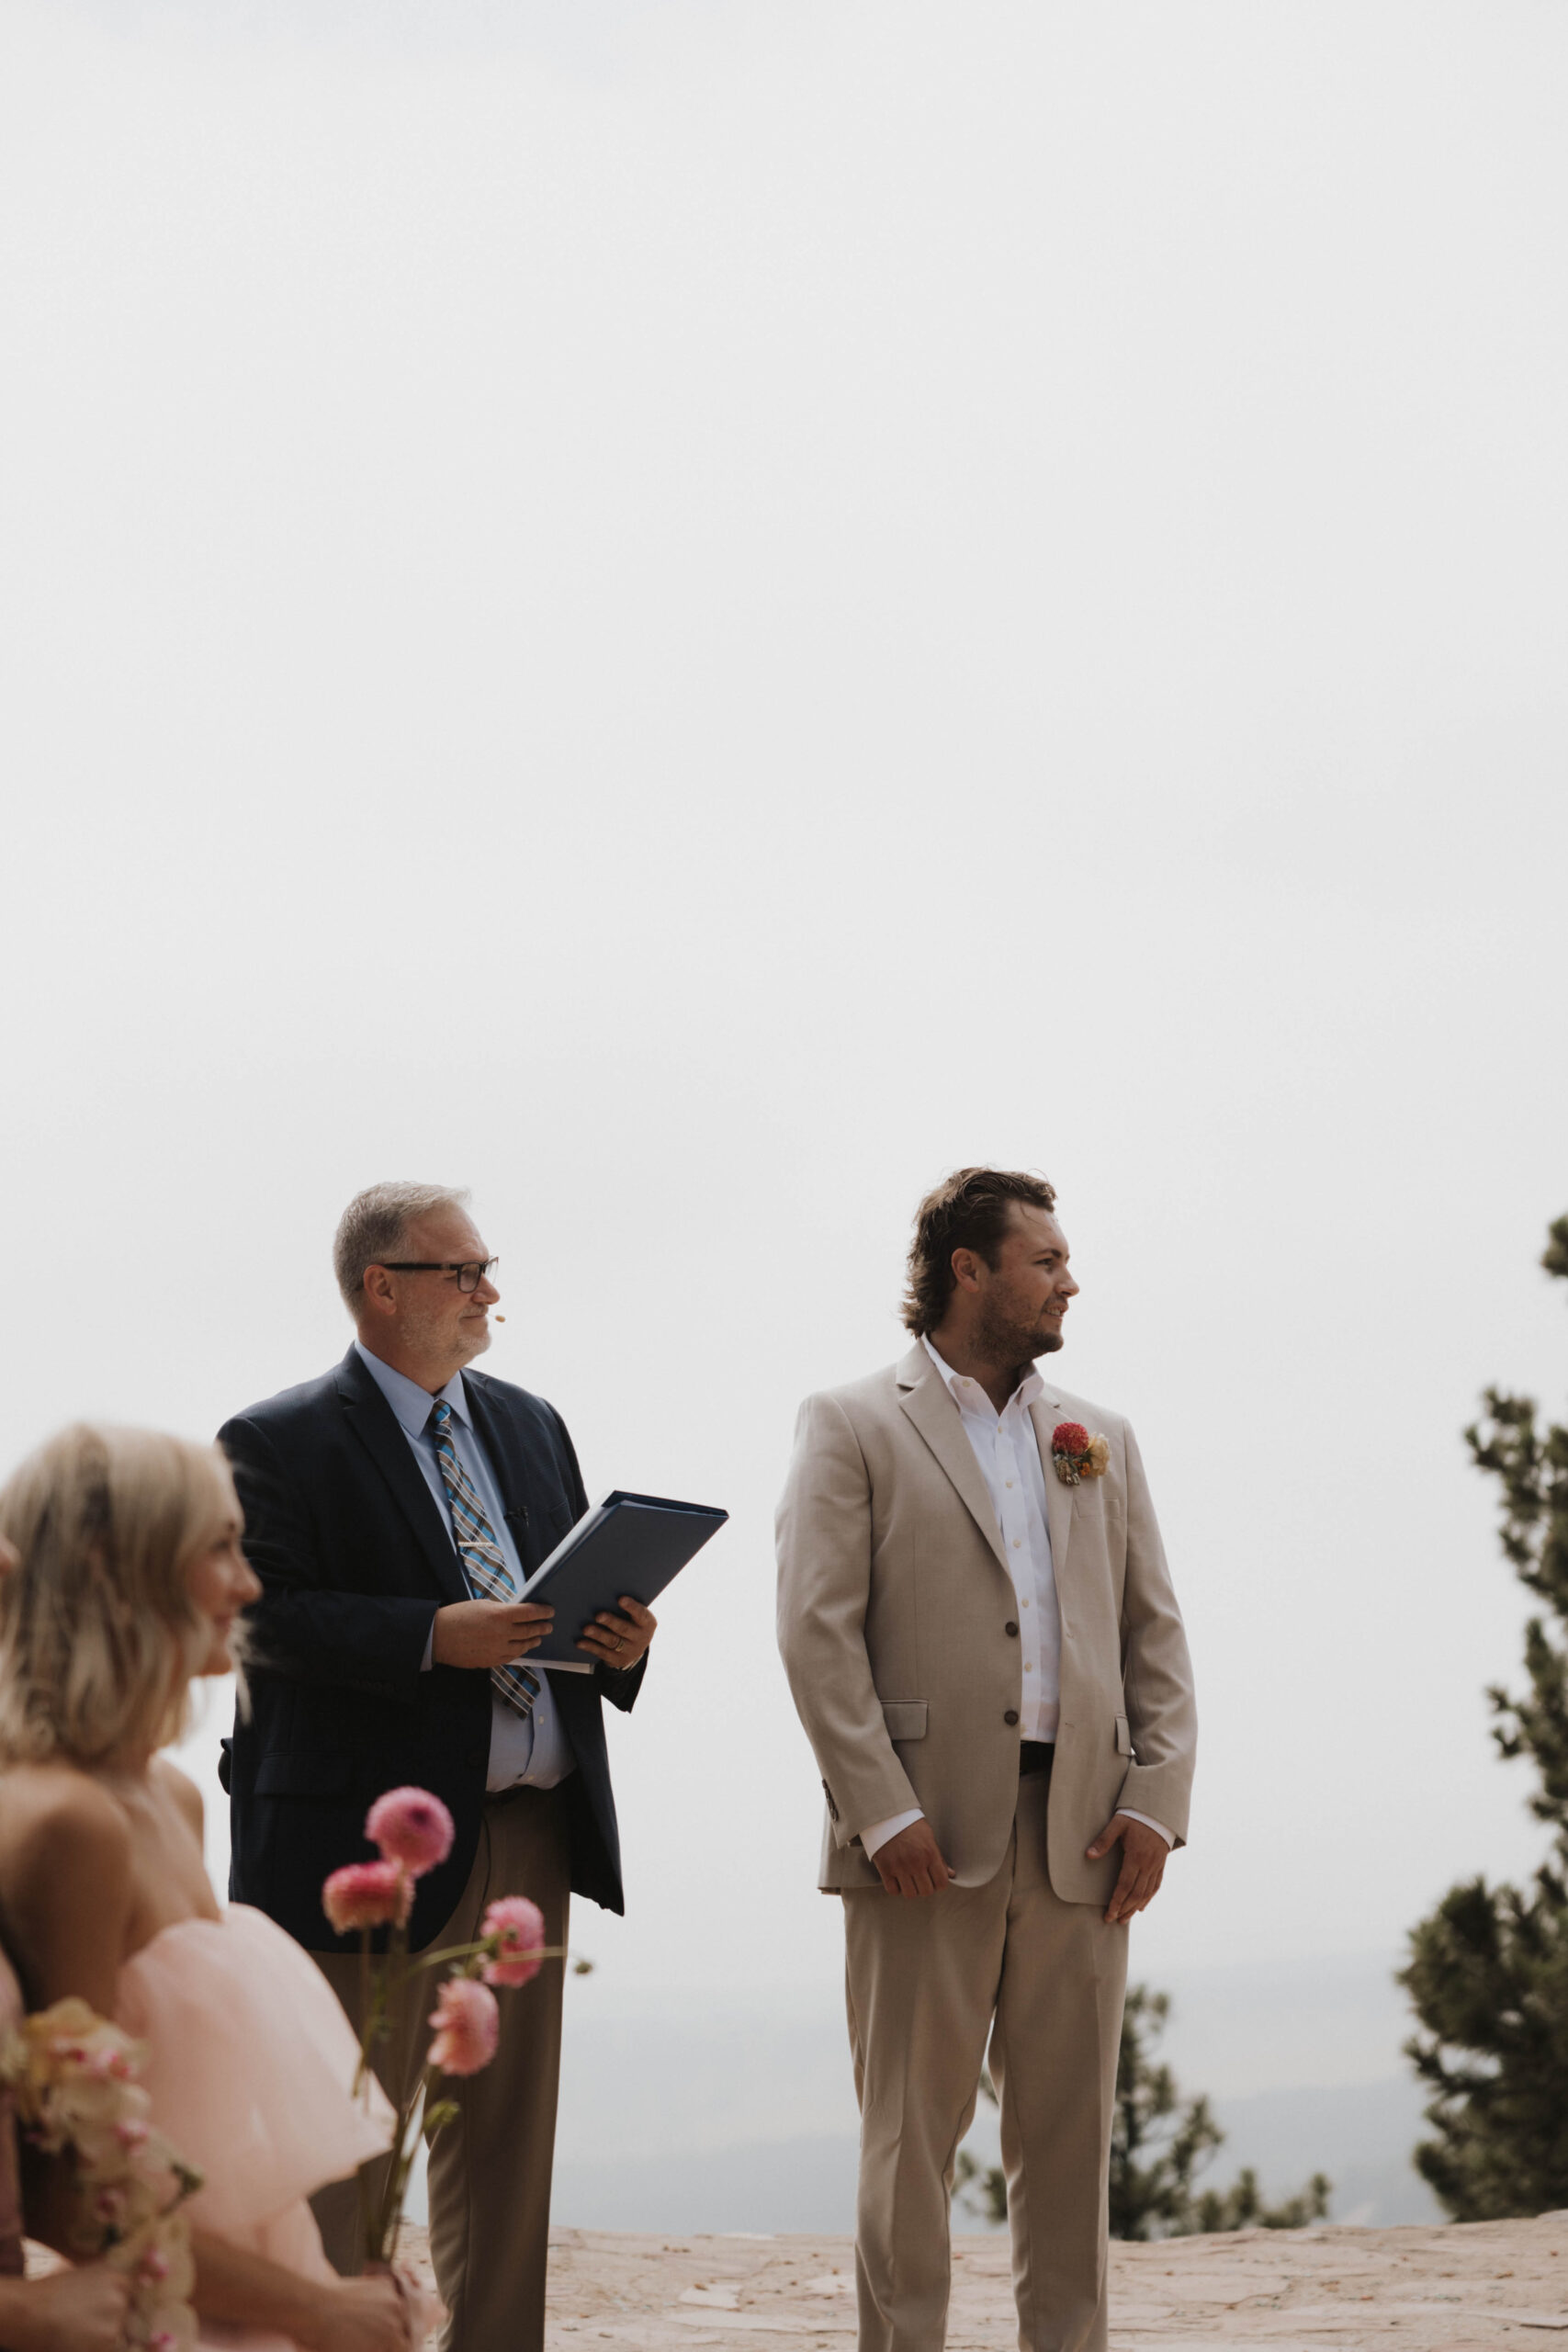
(354, 1558)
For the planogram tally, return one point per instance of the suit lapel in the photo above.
(924, 1394)
(375, 1424)
(1059, 1499)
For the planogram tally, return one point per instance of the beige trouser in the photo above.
(927, 1979)
(490, 2167)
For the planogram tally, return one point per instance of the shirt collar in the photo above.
(968, 1395)
(408, 1400)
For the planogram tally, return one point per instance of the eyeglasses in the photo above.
(467, 1277)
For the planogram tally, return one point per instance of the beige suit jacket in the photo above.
(893, 1602)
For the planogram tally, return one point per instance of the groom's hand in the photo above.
(488, 1632)
(912, 1863)
(1143, 1857)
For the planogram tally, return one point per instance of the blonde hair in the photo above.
(99, 1638)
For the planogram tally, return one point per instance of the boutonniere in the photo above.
(1077, 1455)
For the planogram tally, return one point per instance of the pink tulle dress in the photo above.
(250, 2069)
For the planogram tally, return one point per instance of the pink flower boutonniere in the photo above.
(1077, 1455)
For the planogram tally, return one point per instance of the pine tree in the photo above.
(1158, 2142)
(1488, 1972)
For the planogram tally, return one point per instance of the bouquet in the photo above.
(75, 2081)
(413, 1832)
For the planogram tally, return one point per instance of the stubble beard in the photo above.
(469, 1341)
(1002, 1338)
(448, 1343)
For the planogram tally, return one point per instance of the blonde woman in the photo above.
(128, 1584)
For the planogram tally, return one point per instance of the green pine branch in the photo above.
(1488, 1970)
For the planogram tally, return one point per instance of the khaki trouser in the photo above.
(928, 1979)
(490, 2167)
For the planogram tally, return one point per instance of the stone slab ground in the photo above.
(1459, 2288)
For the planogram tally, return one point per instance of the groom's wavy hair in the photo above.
(970, 1209)
(99, 1637)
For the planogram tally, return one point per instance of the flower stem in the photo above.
(365, 1997)
(485, 1947)
(383, 2243)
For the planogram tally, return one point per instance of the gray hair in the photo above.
(371, 1229)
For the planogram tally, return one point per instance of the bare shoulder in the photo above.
(55, 1818)
(66, 1865)
(183, 1790)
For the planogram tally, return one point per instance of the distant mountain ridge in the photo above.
(1360, 2133)
(733, 2109)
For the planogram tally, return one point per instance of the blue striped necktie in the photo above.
(484, 1563)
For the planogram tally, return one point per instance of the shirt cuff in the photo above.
(428, 1660)
(880, 1831)
(1157, 1826)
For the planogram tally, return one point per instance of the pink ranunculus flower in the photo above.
(413, 1828)
(466, 2023)
(518, 1926)
(367, 1895)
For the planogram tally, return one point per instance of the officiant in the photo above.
(394, 1507)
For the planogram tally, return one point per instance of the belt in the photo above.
(1035, 1755)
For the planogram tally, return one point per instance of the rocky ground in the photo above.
(1452, 2290)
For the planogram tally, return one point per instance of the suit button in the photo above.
(475, 1758)
(1011, 1716)
(1011, 1630)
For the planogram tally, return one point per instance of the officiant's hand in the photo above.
(488, 1632)
(619, 1642)
(1143, 1857)
(913, 1863)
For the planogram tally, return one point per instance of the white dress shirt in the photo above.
(526, 1751)
(1008, 1451)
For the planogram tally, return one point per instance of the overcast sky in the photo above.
(692, 614)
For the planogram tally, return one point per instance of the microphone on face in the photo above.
(498, 1319)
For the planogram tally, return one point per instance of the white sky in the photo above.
(693, 614)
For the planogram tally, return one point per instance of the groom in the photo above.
(393, 1509)
(985, 1652)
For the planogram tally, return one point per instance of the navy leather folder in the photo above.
(635, 1544)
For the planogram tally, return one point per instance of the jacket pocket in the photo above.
(1124, 1738)
(304, 1776)
(905, 1718)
